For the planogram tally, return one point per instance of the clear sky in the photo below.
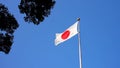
(34, 47)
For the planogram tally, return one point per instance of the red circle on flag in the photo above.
(65, 35)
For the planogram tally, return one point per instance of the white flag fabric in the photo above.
(67, 34)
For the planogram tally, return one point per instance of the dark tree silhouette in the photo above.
(8, 25)
(36, 10)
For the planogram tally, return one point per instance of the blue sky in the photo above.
(100, 36)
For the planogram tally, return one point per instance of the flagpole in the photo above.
(80, 50)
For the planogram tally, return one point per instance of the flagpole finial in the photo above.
(78, 19)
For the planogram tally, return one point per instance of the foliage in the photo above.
(36, 10)
(8, 25)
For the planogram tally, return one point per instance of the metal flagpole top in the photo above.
(78, 19)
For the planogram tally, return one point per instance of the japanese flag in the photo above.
(67, 34)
